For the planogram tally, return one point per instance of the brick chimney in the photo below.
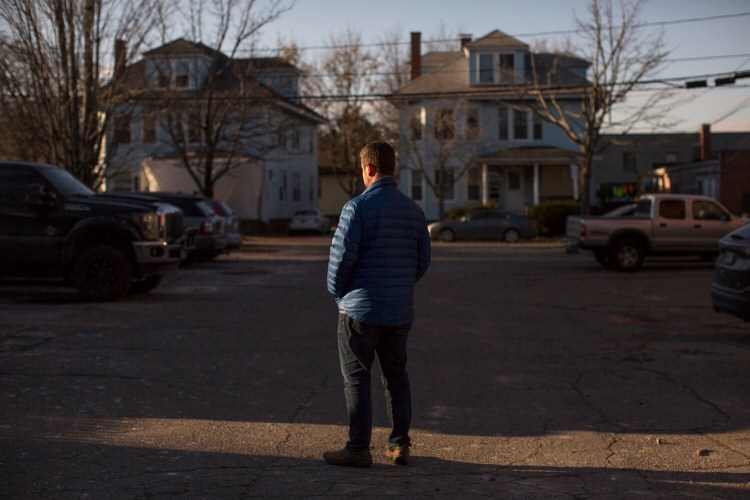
(705, 142)
(416, 54)
(121, 48)
(465, 39)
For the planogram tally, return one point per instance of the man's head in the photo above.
(378, 159)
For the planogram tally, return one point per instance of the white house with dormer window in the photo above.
(463, 120)
(272, 146)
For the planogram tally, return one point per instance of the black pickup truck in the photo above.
(53, 227)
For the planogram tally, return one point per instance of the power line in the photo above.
(517, 35)
(735, 109)
(379, 96)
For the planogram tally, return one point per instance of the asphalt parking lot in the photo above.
(535, 374)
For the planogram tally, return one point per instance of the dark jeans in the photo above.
(358, 344)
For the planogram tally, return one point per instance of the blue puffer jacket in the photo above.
(379, 251)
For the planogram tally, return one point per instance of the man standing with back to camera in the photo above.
(380, 249)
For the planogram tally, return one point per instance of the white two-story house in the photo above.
(468, 132)
(187, 106)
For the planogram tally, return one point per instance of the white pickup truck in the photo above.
(657, 224)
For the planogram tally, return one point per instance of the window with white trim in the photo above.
(416, 124)
(446, 180)
(444, 124)
(472, 123)
(193, 126)
(296, 186)
(473, 184)
(122, 128)
(282, 185)
(496, 68)
(518, 125)
(416, 185)
(182, 76)
(149, 127)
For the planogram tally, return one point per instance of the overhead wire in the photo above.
(516, 35)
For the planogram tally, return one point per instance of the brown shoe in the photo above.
(362, 458)
(399, 454)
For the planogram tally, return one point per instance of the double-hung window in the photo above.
(122, 128)
(416, 185)
(446, 183)
(296, 186)
(518, 124)
(486, 68)
(497, 68)
(416, 125)
(149, 127)
(182, 75)
(472, 123)
(473, 184)
(444, 124)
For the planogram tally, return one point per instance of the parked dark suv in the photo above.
(53, 226)
(730, 288)
(211, 236)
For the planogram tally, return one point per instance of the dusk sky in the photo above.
(719, 45)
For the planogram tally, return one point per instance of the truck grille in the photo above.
(171, 222)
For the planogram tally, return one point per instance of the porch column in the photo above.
(574, 176)
(485, 188)
(537, 187)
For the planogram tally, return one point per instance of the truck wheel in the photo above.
(102, 274)
(146, 285)
(446, 235)
(511, 236)
(626, 255)
(602, 257)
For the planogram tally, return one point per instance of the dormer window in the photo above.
(486, 68)
(162, 80)
(182, 78)
(497, 68)
(172, 75)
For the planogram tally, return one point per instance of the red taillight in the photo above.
(582, 231)
(207, 228)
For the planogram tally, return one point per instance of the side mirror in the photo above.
(41, 199)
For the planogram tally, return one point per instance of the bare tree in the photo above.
(621, 55)
(56, 60)
(214, 124)
(341, 81)
(443, 152)
(394, 73)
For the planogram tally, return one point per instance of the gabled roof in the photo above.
(452, 76)
(233, 71)
(497, 39)
(181, 46)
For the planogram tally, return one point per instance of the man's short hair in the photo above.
(381, 154)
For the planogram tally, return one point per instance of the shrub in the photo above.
(550, 215)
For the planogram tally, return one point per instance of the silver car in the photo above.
(484, 225)
(310, 220)
(231, 222)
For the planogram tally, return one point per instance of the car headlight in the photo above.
(148, 223)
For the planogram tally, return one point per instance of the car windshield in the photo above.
(66, 183)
